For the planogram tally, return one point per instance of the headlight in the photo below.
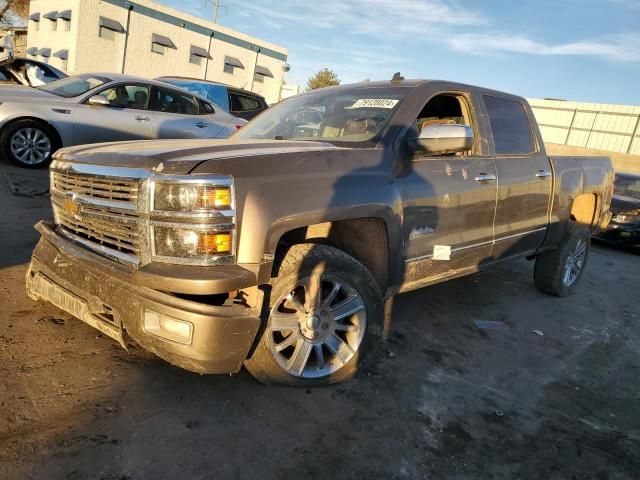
(200, 243)
(176, 200)
(191, 197)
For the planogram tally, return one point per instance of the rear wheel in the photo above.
(28, 143)
(558, 272)
(325, 315)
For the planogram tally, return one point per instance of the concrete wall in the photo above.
(88, 52)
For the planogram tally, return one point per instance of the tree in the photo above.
(324, 78)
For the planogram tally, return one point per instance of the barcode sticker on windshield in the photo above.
(375, 103)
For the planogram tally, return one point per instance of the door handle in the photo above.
(202, 125)
(543, 174)
(485, 177)
(140, 118)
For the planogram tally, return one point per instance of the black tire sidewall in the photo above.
(8, 133)
(549, 267)
(262, 364)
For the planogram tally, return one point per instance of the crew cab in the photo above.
(282, 248)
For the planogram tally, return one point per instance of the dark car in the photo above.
(32, 73)
(624, 228)
(240, 103)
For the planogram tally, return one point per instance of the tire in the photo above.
(559, 271)
(29, 143)
(324, 341)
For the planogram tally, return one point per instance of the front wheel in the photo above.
(28, 143)
(558, 271)
(325, 315)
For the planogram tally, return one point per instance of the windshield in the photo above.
(74, 86)
(356, 115)
(215, 93)
(628, 186)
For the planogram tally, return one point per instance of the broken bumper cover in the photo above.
(86, 286)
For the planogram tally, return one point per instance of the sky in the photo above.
(585, 50)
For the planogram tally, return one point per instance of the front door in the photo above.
(126, 118)
(449, 200)
(524, 179)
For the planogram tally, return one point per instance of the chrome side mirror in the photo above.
(99, 101)
(441, 139)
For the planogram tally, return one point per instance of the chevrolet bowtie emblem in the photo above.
(70, 206)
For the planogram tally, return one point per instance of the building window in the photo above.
(64, 64)
(258, 78)
(160, 43)
(37, 26)
(109, 28)
(230, 69)
(195, 59)
(54, 25)
(67, 25)
(107, 33)
(157, 48)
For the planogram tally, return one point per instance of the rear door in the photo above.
(181, 115)
(524, 178)
(126, 118)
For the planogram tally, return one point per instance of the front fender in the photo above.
(272, 209)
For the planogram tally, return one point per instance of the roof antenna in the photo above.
(397, 77)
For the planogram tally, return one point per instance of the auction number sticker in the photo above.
(375, 103)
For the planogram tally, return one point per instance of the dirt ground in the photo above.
(447, 399)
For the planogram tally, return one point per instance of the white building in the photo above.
(146, 39)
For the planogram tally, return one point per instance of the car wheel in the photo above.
(325, 315)
(28, 143)
(558, 271)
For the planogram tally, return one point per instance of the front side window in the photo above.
(443, 109)
(170, 101)
(74, 86)
(344, 116)
(510, 126)
(627, 185)
(127, 96)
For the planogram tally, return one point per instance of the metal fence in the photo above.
(614, 128)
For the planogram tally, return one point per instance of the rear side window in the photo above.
(170, 101)
(510, 126)
(240, 103)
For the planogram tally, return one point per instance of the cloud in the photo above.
(624, 47)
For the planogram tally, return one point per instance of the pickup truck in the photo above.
(282, 248)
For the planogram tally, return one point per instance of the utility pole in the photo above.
(216, 7)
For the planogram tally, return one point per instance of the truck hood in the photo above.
(179, 157)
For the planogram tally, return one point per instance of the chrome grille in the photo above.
(121, 237)
(100, 212)
(114, 189)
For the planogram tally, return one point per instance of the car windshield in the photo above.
(74, 86)
(628, 186)
(215, 93)
(343, 116)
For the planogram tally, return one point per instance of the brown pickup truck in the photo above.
(282, 248)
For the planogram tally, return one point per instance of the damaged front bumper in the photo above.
(87, 286)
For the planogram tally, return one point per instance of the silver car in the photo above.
(93, 108)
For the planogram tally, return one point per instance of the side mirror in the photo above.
(441, 139)
(99, 101)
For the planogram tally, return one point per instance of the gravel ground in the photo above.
(551, 393)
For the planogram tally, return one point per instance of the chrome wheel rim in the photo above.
(317, 326)
(30, 145)
(575, 262)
